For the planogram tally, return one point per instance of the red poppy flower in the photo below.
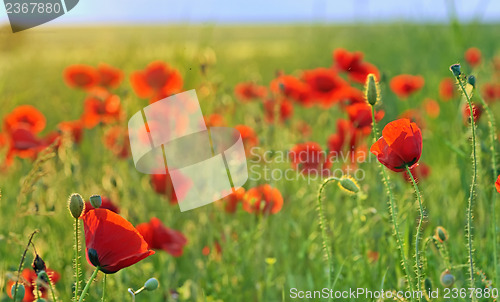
(405, 85)
(284, 110)
(106, 204)
(447, 89)
(26, 116)
(360, 115)
(432, 108)
(477, 111)
(491, 92)
(346, 133)
(23, 143)
(81, 76)
(399, 146)
(325, 85)
(249, 91)
(309, 158)
(497, 184)
(248, 136)
(263, 199)
(109, 76)
(420, 171)
(162, 184)
(159, 237)
(473, 56)
(112, 243)
(96, 111)
(350, 95)
(291, 88)
(352, 63)
(73, 128)
(116, 139)
(28, 279)
(206, 249)
(158, 78)
(214, 120)
(232, 200)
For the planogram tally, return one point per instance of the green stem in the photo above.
(393, 211)
(104, 287)
(322, 225)
(472, 189)
(52, 289)
(77, 261)
(493, 141)
(86, 288)
(418, 269)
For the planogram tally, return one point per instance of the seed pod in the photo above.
(151, 284)
(372, 90)
(428, 284)
(96, 201)
(447, 279)
(472, 81)
(20, 292)
(76, 205)
(441, 234)
(348, 184)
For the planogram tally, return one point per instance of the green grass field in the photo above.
(263, 257)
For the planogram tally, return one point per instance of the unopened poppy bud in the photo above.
(38, 264)
(348, 184)
(372, 90)
(441, 234)
(455, 69)
(42, 275)
(428, 284)
(151, 284)
(447, 279)
(20, 292)
(96, 201)
(472, 81)
(76, 205)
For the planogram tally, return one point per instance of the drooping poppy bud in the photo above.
(76, 205)
(455, 69)
(447, 279)
(38, 264)
(151, 284)
(472, 81)
(348, 184)
(441, 234)
(96, 201)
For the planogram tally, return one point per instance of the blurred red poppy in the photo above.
(159, 237)
(162, 184)
(419, 171)
(447, 89)
(432, 108)
(473, 56)
(405, 85)
(497, 184)
(352, 63)
(23, 143)
(283, 108)
(26, 116)
(112, 243)
(109, 76)
(232, 200)
(249, 91)
(206, 249)
(291, 88)
(248, 136)
(263, 199)
(81, 76)
(309, 158)
(491, 92)
(399, 146)
(104, 111)
(116, 139)
(158, 78)
(477, 111)
(106, 204)
(214, 120)
(414, 116)
(360, 114)
(28, 279)
(324, 86)
(73, 128)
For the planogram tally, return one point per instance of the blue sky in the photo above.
(269, 11)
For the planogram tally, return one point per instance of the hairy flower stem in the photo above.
(104, 288)
(322, 225)
(52, 290)
(472, 189)
(393, 211)
(493, 141)
(77, 260)
(86, 288)
(418, 258)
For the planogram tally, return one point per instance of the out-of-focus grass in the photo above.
(31, 66)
